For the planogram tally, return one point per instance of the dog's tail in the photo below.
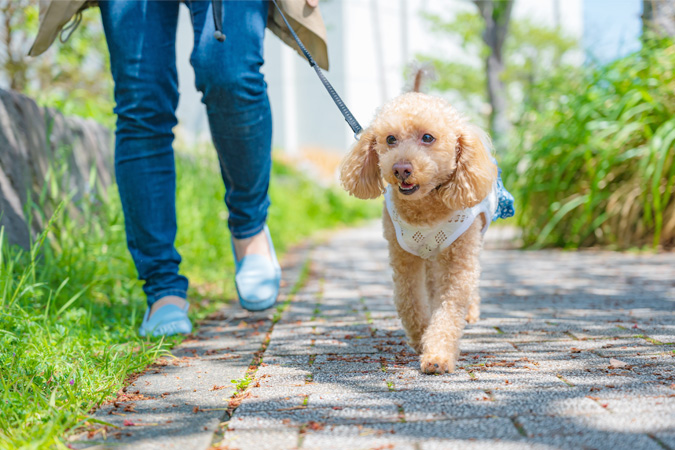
(419, 73)
(418, 80)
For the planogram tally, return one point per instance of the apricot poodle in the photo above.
(441, 189)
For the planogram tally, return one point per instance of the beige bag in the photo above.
(305, 20)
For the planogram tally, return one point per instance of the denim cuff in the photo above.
(247, 233)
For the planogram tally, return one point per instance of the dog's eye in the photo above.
(428, 139)
(391, 140)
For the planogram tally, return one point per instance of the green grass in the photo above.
(70, 307)
(594, 165)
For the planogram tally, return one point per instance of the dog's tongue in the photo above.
(406, 185)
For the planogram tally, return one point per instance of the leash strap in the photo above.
(349, 117)
(217, 8)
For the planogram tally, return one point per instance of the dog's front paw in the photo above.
(437, 363)
(473, 314)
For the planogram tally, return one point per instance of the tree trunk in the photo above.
(658, 16)
(497, 15)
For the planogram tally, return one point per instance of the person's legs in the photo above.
(141, 37)
(235, 94)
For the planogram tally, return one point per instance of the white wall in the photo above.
(191, 113)
(317, 121)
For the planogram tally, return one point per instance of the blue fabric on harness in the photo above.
(505, 202)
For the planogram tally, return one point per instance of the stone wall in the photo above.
(38, 145)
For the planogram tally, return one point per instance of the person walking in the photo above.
(227, 57)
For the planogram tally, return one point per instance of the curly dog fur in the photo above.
(447, 160)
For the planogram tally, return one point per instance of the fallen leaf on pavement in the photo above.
(616, 364)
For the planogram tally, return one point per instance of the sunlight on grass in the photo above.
(71, 306)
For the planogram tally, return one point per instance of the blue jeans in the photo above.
(141, 37)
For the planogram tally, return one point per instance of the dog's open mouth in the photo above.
(407, 188)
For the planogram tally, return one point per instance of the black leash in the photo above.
(346, 113)
(349, 117)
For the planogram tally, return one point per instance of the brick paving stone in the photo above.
(571, 352)
(562, 402)
(667, 440)
(543, 349)
(262, 439)
(412, 432)
(337, 399)
(594, 440)
(481, 444)
(366, 382)
(273, 398)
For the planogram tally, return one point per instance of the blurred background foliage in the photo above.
(73, 77)
(548, 91)
(532, 52)
(589, 149)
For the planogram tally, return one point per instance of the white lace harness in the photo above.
(427, 241)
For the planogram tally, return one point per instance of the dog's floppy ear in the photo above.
(475, 172)
(360, 171)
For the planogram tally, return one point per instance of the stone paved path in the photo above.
(574, 351)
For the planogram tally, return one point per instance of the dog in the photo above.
(441, 189)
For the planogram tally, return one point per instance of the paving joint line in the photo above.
(650, 340)
(240, 394)
(401, 414)
(570, 334)
(316, 313)
(662, 444)
(564, 380)
(516, 423)
(301, 438)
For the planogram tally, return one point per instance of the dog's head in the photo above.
(419, 144)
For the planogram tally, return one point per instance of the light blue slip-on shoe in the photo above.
(257, 278)
(166, 321)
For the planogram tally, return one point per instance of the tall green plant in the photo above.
(594, 164)
(71, 306)
(69, 309)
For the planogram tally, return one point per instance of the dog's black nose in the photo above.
(402, 170)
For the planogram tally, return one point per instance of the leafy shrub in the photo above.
(594, 164)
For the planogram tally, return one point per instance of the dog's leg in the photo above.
(456, 272)
(409, 293)
(473, 315)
